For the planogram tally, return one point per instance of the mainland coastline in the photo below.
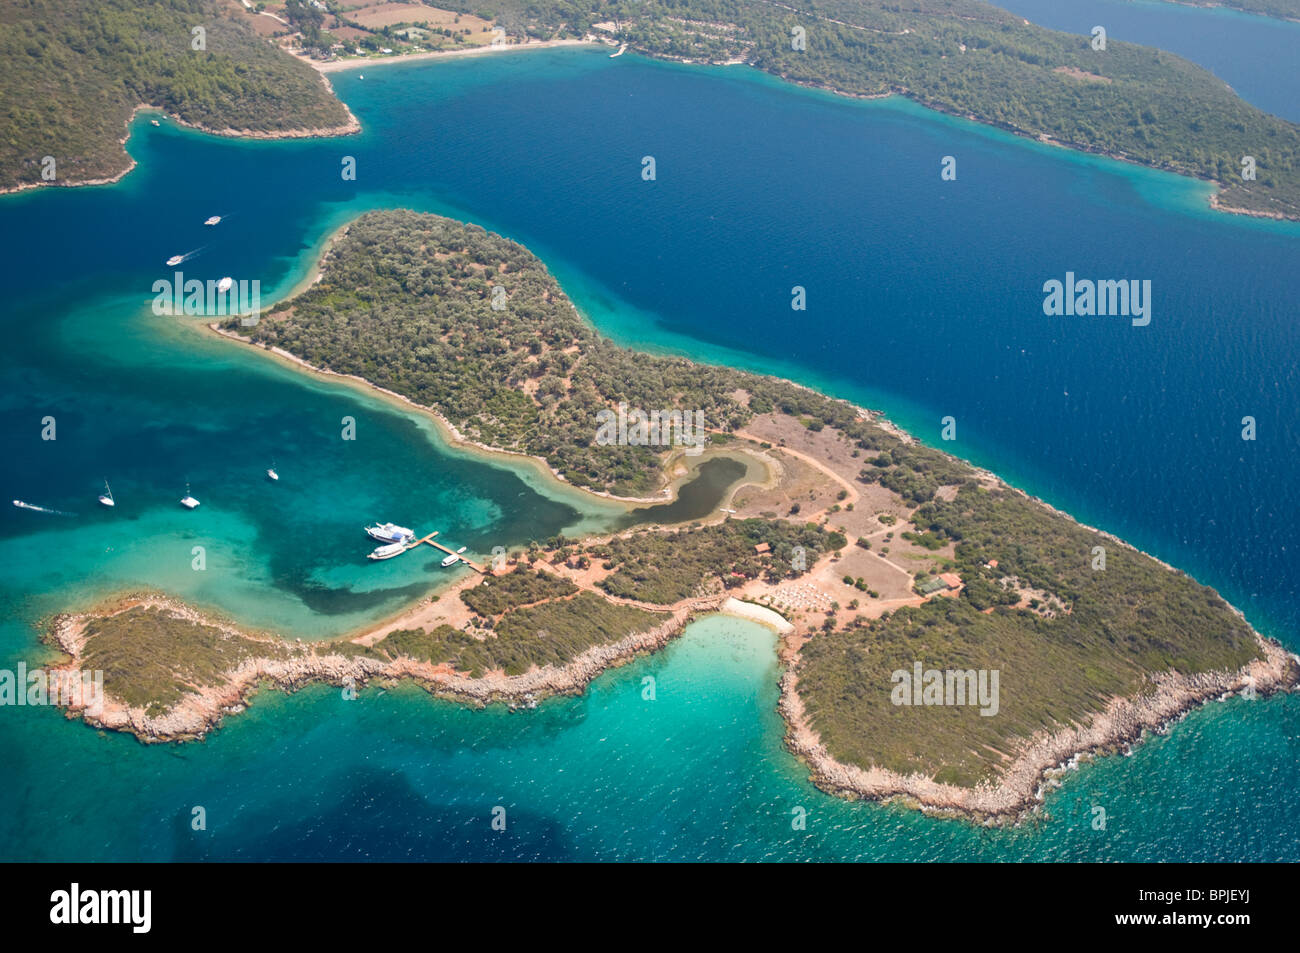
(323, 69)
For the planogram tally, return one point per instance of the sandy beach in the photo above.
(367, 62)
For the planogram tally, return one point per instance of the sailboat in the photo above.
(107, 496)
(187, 500)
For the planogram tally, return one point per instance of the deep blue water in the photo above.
(924, 300)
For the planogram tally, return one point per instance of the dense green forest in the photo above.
(73, 72)
(972, 59)
(406, 301)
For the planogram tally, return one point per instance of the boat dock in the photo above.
(477, 567)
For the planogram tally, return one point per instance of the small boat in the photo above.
(271, 474)
(187, 500)
(462, 549)
(390, 533)
(388, 552)
(107, 496)
(450, 560)
(214, 220)
(154, 122)
(175, 260)
(224, 285)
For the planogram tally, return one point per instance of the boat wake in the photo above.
(175, 260)
(40, 509)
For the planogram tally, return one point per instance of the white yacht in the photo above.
(388, 552)
(450, 560)
(107, 496)
(225, 285)
(214, 220)
(390, 533)
(271, 474)
(175, 260)
(188, 500)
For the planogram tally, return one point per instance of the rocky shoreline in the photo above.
(1024, 783)
(204, 709)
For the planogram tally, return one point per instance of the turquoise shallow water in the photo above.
(699, 773)
(925, 301)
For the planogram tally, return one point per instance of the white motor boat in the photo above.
(107, 496)
(188, 501)
(388, 552)
(390, 533)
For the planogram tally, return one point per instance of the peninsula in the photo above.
(196, 60)
(871, 554)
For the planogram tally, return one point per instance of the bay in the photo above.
(924, 300)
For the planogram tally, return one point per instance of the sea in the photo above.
(924, 300)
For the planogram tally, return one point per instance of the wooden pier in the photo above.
(451, 552)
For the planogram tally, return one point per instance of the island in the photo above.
(944, 638)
